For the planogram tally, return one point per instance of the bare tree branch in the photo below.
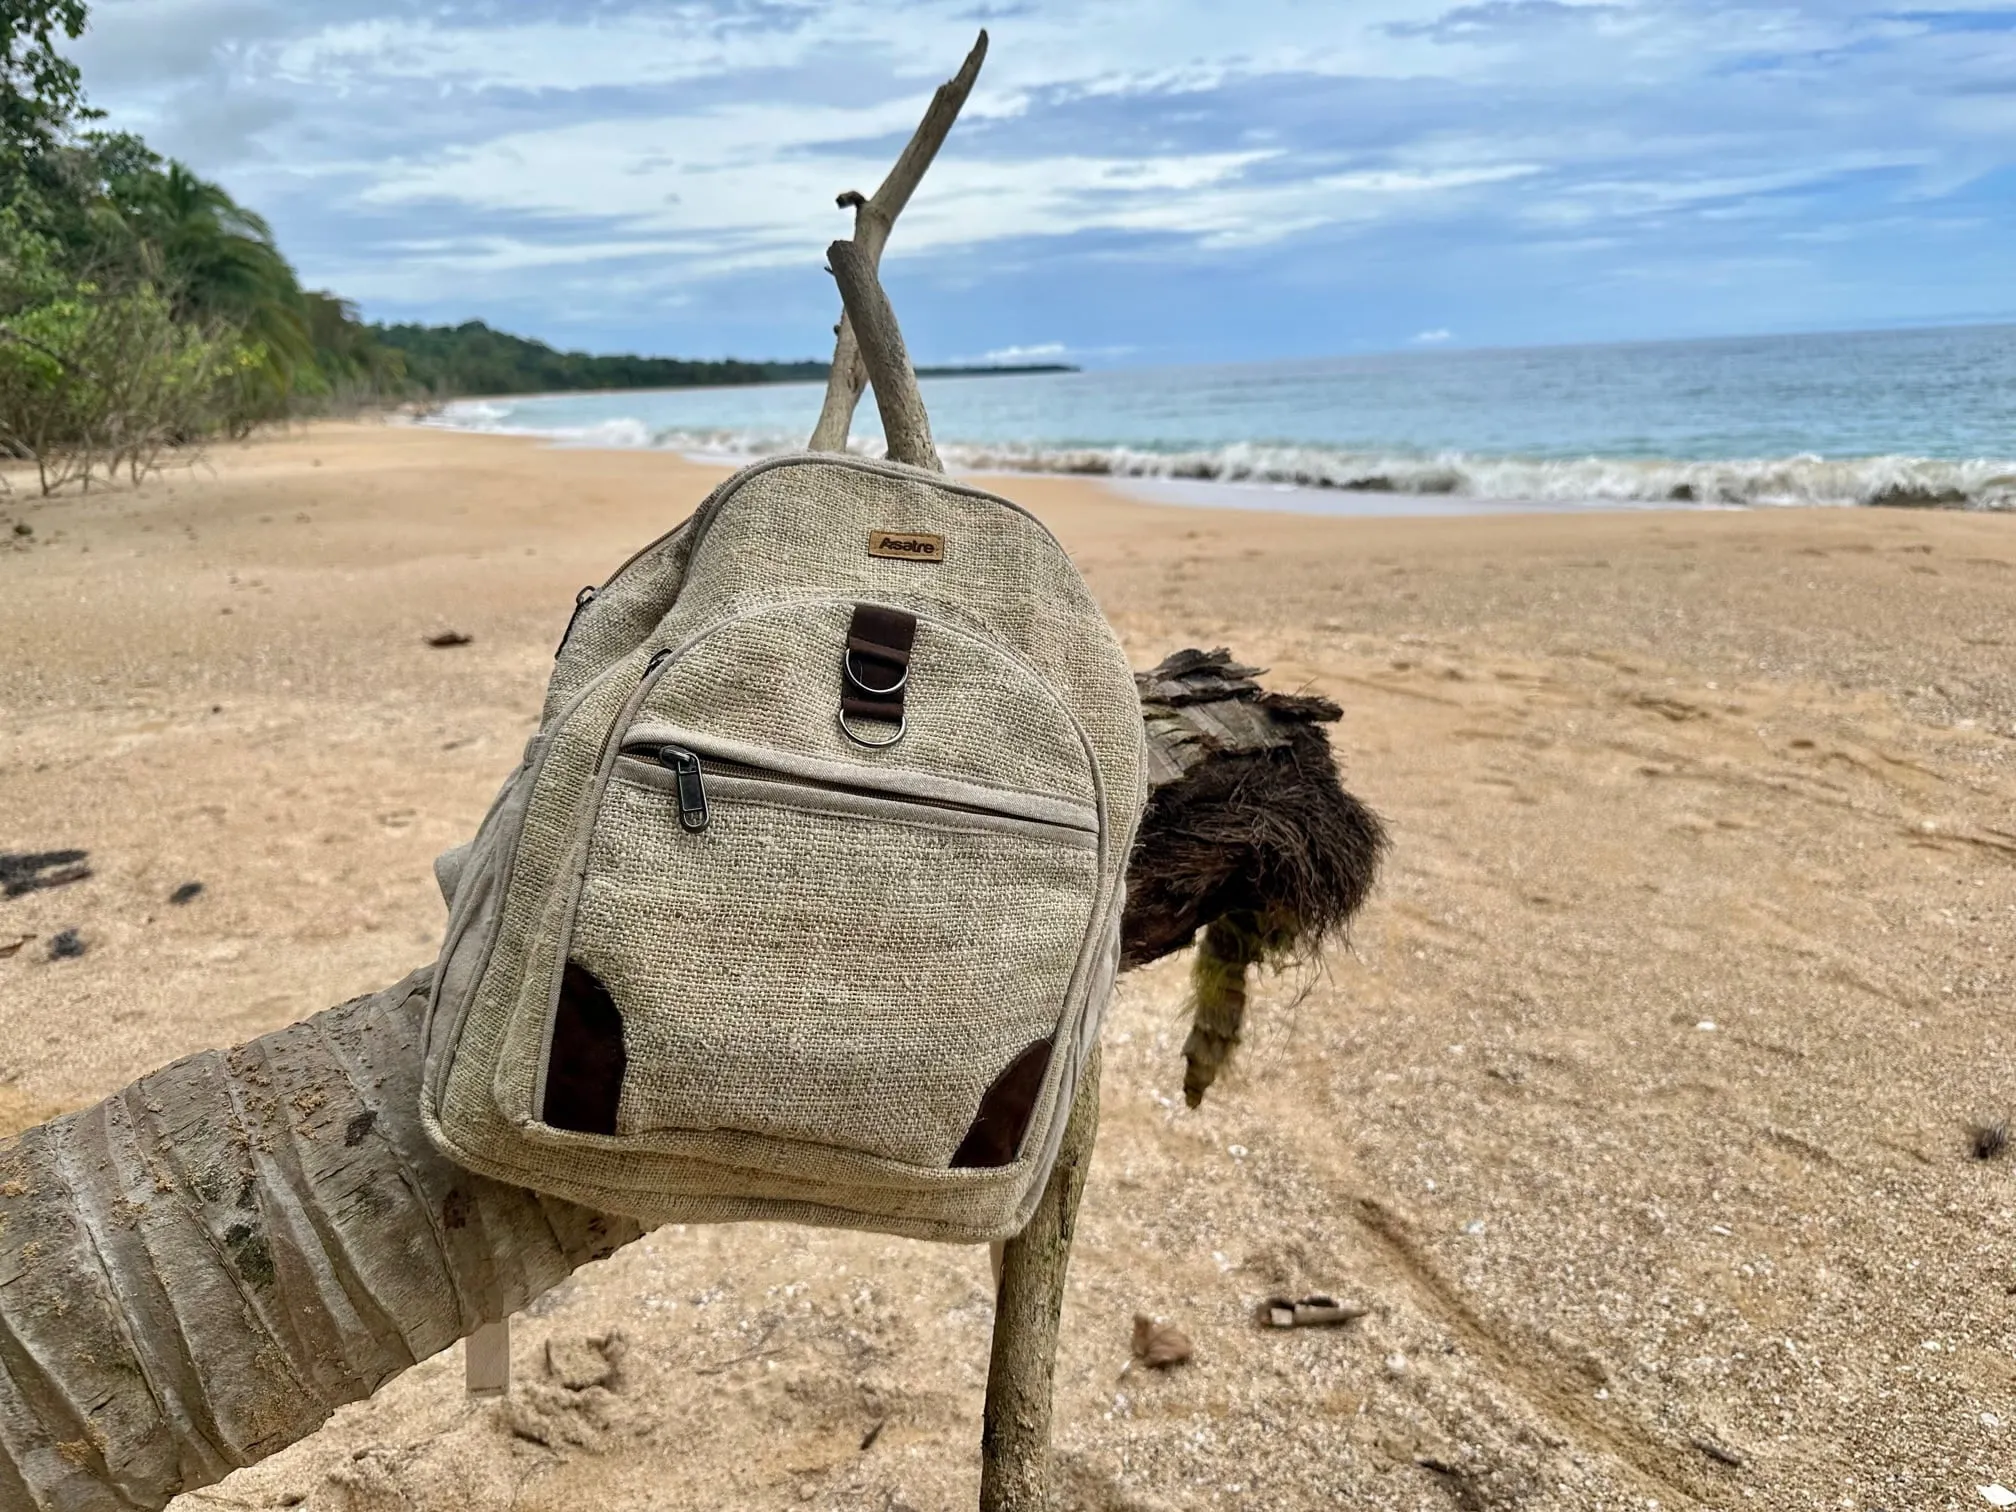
(873, 219)
(904, 423)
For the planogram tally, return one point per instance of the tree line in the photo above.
(470, 358)
(143, 310)
(473, 359)
(141, 307)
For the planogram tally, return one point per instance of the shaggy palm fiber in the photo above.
(1249, 835)
(1230, 946)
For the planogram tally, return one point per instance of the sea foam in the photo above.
(1978, 483)
(1894, 480)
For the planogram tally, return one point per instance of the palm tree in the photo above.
(219, 266)
(350, 360)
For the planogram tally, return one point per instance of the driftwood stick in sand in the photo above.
(904, 423)
(1028, 1301)
(196, 1272)
(874, 216)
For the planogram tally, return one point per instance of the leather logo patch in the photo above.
(906, 545)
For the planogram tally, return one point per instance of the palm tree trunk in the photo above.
(199, 1270)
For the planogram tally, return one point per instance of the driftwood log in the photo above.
(202, 1267)
(199, 1270)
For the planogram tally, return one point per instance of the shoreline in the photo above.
(1636, 1111)
(1319, 480)
(1379, 504)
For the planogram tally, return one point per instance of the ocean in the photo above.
(1910, 417)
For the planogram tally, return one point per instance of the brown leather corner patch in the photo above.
(995, 1138)
(584, 1078)
(907, 545)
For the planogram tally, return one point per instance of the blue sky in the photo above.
(1132, 182)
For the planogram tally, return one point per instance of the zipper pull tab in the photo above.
(691, 787)
(581, 601)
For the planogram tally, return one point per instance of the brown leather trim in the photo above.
(584, 1076)
(888, 633)
(875, 668)
(871, 650)
(854, 706)
(995, 1137)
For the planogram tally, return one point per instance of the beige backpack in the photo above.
(805, 901)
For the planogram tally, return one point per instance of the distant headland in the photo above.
(471, 358)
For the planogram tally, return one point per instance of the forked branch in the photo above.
(904, 422)
(873, 218)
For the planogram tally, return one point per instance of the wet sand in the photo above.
(1637, 1113)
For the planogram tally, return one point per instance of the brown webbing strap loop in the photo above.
(875, 668)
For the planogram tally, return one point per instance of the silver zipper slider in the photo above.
(690, 786)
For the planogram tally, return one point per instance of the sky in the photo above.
(1131, 182)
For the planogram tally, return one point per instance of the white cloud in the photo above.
(732, 192)
(1106, 46)
(1432, 338)
(750, 186)
(538, 145)
(1042, 351)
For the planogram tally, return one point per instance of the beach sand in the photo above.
(1637, 1112)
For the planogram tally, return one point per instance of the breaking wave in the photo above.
(1902, 481)
(1888, 480)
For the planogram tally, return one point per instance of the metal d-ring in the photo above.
(847, 665)
(902, 724)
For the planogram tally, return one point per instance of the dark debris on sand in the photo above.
(1988, 1141)
(24, 872)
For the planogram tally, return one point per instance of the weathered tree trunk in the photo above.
(199, 1270)
(196, 1272)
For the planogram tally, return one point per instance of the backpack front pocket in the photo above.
(769, 947)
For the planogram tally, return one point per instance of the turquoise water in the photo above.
(1918, 416)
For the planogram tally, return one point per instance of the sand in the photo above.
(1637, 1113)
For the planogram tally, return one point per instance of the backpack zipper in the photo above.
(690, 776)
(689, 785)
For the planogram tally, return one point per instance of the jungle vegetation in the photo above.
(143, 310)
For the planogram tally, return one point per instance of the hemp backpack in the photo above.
(805, 900)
